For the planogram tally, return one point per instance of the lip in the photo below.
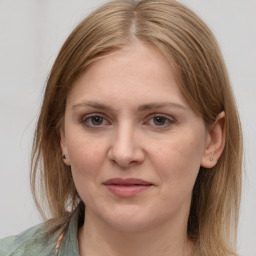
(127, 187)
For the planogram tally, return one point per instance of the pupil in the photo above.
(97, 120)
(159, 120)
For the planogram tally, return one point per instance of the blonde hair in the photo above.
(185, 40)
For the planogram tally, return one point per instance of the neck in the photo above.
(97, 239)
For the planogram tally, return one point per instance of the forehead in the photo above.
(137, 69)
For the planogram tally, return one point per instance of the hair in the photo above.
(194, 55)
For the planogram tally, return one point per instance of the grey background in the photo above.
(32, 32)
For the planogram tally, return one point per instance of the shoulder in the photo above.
(33, 241)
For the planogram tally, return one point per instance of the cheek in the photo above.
(178, 160)
(86, 155)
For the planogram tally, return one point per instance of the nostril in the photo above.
(125, 153)
(123, 163)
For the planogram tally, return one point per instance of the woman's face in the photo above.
(134, 145)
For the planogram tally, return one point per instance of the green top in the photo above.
(36, 241)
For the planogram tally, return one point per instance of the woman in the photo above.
(138, 146)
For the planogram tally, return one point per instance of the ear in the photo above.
(63, 146)
(215, 142)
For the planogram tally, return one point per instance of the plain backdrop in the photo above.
(32, 32)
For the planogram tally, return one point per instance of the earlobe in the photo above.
(63, 146)
(215, 142)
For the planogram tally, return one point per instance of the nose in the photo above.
(126, 149)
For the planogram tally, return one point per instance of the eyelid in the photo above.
(167, 117)
(86, 117)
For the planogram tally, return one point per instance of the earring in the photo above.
(65, 157)
(211, 159)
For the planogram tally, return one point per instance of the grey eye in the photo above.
(160, 120)
(96, 120)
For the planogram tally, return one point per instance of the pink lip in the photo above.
(127, 187)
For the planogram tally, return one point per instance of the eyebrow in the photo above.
(93, 105)
(142, 108)
(151, 106)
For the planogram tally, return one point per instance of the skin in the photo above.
(126, 117)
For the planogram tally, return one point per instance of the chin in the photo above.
(130, 221)
(131, 226)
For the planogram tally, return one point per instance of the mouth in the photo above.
(127, 187)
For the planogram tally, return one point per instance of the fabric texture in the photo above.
(36, 241)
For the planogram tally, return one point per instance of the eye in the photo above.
(160, 121)
(94, 121)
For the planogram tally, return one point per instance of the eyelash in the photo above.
(167, 120)
(88, 122)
